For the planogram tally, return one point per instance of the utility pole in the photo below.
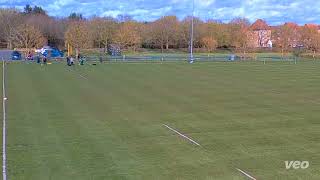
(192, 32)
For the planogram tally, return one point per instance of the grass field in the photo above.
(106, 121)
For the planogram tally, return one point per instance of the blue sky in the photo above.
(273, 11)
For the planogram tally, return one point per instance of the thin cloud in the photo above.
(273, 11)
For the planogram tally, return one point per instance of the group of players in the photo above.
(70, 60)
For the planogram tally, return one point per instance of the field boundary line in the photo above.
(4, 99)
(80, 75)
(246, 174)
(182, 135)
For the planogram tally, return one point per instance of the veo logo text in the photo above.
(297, 164)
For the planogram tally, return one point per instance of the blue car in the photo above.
(15, 55)
(56, 53)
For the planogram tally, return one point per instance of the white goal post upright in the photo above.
(4, 99)
(192, 34)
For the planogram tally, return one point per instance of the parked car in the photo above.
(51, 52)
(56, 53)
(30, 57)
(16, 55)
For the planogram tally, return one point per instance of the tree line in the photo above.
(33, 28)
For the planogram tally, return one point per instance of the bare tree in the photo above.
(53, 29)
(209, 43)
(164, 32)
(102, 31)
(285, 36)
(311, 38)
(77, 35)
(9, 20)
(128, 35)
(199, 31)
(239, 33)
(28, 37)
(221, 32)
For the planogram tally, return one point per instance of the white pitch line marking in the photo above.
(246, 174)
(78, 74)
(4, 155)
(82, 76)
(182, 135)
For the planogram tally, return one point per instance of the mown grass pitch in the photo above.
(110, 126)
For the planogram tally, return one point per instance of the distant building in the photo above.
(260, 35)
(270, 44)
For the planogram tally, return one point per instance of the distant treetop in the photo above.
(291, 25)
(34, 10)
(260, 25)
(76, 16)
